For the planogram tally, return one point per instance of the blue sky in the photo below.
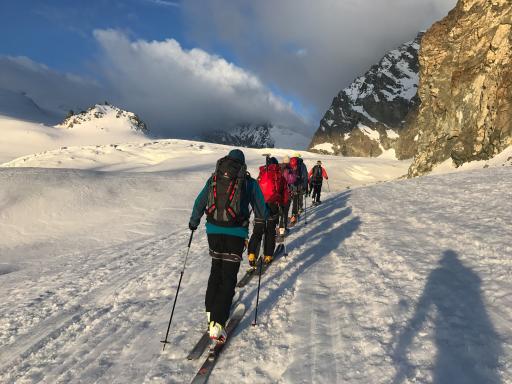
(246, 60)
(59, 32)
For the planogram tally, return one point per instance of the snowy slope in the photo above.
(100, 124)
(167, 155)
(400, 282)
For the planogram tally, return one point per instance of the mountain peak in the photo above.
(104, 117)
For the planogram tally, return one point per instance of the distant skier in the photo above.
(275, 191)
(290, 178)
(225, 200)
(316, 178)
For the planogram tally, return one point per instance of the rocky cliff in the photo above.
(465, 85)
(370, 115)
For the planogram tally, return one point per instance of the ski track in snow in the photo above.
(361, 298)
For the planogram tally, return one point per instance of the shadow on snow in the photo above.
(323, 234)
(468, 347)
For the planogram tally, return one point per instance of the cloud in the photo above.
(54, 91)
(178, 92)
(309, 50)
(164, 3)
(182, 92)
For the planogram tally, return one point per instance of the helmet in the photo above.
(297, 155)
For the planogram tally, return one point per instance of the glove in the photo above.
(192, 227)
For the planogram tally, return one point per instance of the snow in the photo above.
(362, 111)
(21, 137)
(287, 138)
(398, 282)
(388, 154)
(371, 133)
(502, 159)
(392, 134)
(326, 147)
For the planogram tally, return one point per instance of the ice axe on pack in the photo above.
(267, 158)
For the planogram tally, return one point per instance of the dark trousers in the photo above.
(269, 230)
(317, 189)
(295, 202)
(223, 276)
(283, 213)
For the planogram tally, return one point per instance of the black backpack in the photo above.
(227, 184)
(299, 181)
(317, 173)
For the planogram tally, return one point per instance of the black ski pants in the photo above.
(317, 189)
(223, 276)
(283, 213)
(269, 230)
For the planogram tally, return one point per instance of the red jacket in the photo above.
(324, 174)
(273, 184)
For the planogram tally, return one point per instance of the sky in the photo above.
(187, 66)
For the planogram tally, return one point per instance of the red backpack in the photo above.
(271, 183)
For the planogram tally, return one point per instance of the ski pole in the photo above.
(259, 279)
(328, 186)
(305, 210)
(165, 342)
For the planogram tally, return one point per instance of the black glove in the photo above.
(192, 227)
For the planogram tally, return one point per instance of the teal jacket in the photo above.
(252, 195)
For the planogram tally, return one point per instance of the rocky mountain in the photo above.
(264, 135)
(368, 117)
(466, 86)
(104, 117)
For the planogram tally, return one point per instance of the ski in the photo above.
(213, 354)
(204, 340)
(254, 270)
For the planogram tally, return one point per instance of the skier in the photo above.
(225, 200)
(303, 190)
(290, 178)
(300, 186)
(316, 178)
(275, 192)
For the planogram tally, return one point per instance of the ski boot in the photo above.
(217, 332)
(252, 259)
(267, 259)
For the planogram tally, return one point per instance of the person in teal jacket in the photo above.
(227, 230)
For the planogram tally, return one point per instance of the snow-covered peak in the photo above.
(104, 117)
(261, 135)
(381, 100)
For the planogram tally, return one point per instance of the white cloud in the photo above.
(164, 3)
(184, 91)
(178, 92)
(54, 91)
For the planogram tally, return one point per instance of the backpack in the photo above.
(288, 174)
(228, 182)
(271, 183)
(296, 165)
(316, 175)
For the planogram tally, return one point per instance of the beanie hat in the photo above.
(237, 154)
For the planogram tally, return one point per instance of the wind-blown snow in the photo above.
(402, 282)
